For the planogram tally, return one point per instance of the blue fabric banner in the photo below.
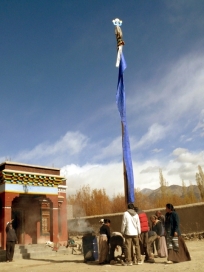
(127, 160)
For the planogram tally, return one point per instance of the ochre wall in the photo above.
(191, 220)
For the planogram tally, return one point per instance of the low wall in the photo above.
(191, 220)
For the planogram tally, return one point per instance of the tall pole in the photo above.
(124, 171)
(120, 100)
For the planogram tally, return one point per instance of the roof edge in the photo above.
(30, 165)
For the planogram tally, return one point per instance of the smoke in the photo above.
(79, 226)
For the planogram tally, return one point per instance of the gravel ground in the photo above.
(75, 262)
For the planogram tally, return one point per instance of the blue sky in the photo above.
(58, 83)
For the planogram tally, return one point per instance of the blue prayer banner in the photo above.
(127, 160)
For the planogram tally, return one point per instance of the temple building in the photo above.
(35, 198)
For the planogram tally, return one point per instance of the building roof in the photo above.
(29, 168)
(18, 173)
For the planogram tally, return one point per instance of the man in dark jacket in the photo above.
(115, 241)
(11, 239)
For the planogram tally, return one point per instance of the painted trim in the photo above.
(18, 188)
(31, 173)
(29, 178)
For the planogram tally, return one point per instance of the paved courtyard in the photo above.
(75, 262)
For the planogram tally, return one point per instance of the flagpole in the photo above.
(120, 100)
(124, 171)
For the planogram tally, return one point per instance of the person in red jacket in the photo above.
(144, 233)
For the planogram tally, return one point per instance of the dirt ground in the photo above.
(75, 262)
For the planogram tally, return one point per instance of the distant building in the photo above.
(35, 197)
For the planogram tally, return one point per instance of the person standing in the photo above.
(11, 239)
(131, 230)
(144, 238)
(104, 239)
(177, 249)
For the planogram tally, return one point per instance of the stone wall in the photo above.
(191, 220)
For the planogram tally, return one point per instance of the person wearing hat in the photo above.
(11, 239)
(101, 221)
(104, 239)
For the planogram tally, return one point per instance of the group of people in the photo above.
(139, 241)
(142, 242)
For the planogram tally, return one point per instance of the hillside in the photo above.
(173, 189)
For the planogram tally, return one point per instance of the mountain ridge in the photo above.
(173, 189)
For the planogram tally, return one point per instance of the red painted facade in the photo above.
(35, 197)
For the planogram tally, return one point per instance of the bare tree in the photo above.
(200, 181)
(184, 189)
(162, 184)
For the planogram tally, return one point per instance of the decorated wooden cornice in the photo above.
(27, 178)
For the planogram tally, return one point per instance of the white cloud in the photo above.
(107, 176)
(150, 169)
(173, 98)
(157, 150)
(110, 151)
(184, 156)
(179, 151)
(114, 149)
(146, 175)
(71, 143)
(200, 125)
(155, 133)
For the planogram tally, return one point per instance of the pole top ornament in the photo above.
(117, 22)
(119, 37)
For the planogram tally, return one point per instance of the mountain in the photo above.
(173, 189)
